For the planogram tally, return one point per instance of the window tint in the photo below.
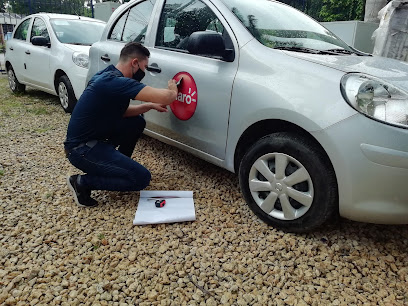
(21, 32)
(117, 31)
(181, 18)
(137, 22)
(39, 29)
(133, 24)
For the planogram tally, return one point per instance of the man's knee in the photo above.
(141, 179)
(142, 121)
(139, 123)
(146, 179)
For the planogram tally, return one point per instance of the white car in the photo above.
(50, 52)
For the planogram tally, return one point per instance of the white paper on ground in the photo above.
(179, 207)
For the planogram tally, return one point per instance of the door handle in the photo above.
(105, 58)
(153, 68)
(28, 52)
(11, 48)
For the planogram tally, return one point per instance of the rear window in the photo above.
(132, 25)
(22, 30)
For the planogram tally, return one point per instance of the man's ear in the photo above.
(135, 62)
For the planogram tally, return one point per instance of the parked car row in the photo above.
(312, 127)
(50, 52)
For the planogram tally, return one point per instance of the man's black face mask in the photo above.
(139, 75)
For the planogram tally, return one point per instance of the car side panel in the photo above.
(38, 67)
(207, 129)
(15, 53)
(271, 85)
(37, 60)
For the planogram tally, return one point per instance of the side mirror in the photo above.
(40, 41)
(209, 43)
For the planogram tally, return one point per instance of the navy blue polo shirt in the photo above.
(101, 106)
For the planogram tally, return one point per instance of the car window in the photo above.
(180, 18)
(77, 31)
(277, 25)
(117, 31)
(39, 29)
(137, 22)
(132, 25)
(21, 31)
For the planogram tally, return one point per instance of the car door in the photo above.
(37, 58)
(131, 25)
(16, 48)
(199, 117)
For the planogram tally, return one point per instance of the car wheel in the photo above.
(66, 94)
(289, 182)
(14, 84)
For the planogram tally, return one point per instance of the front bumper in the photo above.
(371, 164)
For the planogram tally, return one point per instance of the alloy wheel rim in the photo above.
(63, 94)
(12, 80)
(281, 186)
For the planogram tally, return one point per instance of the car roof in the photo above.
(66, 16)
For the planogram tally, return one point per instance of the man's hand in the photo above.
(159, 107)
(171, 84)
(159, 96)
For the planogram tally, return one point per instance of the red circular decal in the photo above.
(186, 103)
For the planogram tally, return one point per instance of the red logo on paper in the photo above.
(186, 103)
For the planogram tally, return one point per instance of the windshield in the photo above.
(280, 26)
(77, 31)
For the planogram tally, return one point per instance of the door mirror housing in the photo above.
(210, 44)
(40, 41)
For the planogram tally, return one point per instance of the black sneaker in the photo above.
(82, 196)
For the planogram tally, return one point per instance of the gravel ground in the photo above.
(53, 252)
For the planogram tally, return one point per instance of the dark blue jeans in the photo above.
(108, 168)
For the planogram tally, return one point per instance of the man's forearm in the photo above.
(135, 110)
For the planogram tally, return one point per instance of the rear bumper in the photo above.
(371, 164)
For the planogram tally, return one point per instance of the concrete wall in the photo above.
(104, 10)
(355, 33)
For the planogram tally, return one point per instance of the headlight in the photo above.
(376, 98)
(80, 59)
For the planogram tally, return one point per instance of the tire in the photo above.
(297, 189)
(14, 84)
(66, 94)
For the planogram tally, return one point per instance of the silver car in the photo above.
(313, 127)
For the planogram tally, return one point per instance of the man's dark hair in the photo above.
(133, 50)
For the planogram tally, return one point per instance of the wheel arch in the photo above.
(59, 73)
(269, 126)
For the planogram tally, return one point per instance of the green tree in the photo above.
(340, 10)
(331, 10)
(313, 8)
(3, 6)
(18, 7)
(294, 3)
